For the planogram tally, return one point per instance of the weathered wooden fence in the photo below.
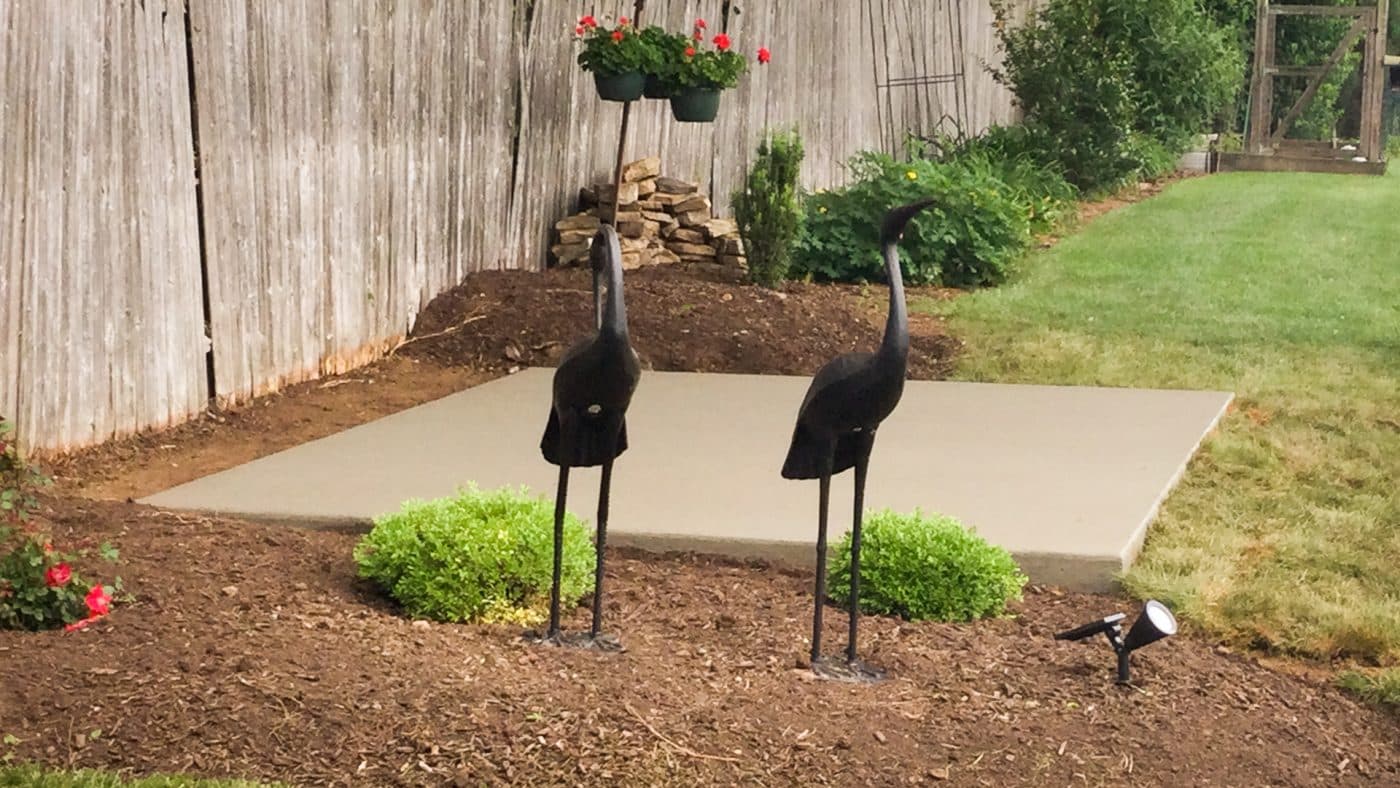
(355, 158)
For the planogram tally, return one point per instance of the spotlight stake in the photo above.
(1154, 623)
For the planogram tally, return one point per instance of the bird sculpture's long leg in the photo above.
(820, 601)
(601, 548)
(862, 461)
(560, 495)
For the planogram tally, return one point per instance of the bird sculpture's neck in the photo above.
(896, 342)
(613, 321)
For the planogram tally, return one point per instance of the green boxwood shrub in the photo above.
(922, 567)
(968, 238)
(478, 556)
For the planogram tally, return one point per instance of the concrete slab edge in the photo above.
(1133, 548)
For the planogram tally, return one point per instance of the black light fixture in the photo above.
(1154, 623)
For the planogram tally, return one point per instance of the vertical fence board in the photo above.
(102, 318)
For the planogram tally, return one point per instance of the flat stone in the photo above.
(660, 217)
(582, 221)
(667, 185)
(640, 229)
(696, 202)
(694, 218)
(646, 188)
(688, 235)
(641, 169)
(664, 255)
(691, 250)
(634, 260)
(627, 194)
(719, 228)
(730, 246)
(661, 200)
(1068, 479)
(625, 214)
(734, 260)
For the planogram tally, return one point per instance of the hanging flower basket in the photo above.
(620, 87)
(695, 105)
(655, 87)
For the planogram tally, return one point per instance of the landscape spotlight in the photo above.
(1155, 623)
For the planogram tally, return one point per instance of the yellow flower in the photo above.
(911, 175)
(821, 209)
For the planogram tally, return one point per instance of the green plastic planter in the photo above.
(620, 87)
(655, 88)
(695, 105)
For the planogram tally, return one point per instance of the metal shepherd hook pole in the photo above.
(637, 9)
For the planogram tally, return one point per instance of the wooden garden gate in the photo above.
(1266, 145)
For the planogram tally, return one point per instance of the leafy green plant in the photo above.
(477, 556)
(767, 208)
(662, 51)
(969, 237)
(926, 567)
(1118, 88)
(611, 51)
(1020, 160)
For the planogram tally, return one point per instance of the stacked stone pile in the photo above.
(659, 219)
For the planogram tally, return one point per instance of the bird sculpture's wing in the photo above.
(824, 420)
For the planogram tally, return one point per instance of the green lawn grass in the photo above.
(36, 777)
(1284, 288)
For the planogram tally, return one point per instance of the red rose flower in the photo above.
(99, 602)
(764, 55)
(690, 51)
(57, 575)
(721, 42)
(617, 35)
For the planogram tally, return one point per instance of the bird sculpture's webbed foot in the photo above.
(853, 671)
(580, 640)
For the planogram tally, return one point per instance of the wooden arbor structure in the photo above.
(1266, 145)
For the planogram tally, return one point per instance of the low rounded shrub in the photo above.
(483, 556)
(921, 567)
(967, 238)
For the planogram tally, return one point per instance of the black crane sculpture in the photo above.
(836, 425)
(592, 388)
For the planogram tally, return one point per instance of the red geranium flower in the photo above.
(699, 24)
(99, 602)
(698, 36)
(622, 20)
(588, 21)
(617, 35)
(764, 55)
(690, 51)
(721, 42)
(578, 31)
(57, 575)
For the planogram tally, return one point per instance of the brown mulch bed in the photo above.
(692, 319)
(253, 650)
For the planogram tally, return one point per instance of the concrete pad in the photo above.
(1067, 478)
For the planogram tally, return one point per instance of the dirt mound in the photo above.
(680, 319)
